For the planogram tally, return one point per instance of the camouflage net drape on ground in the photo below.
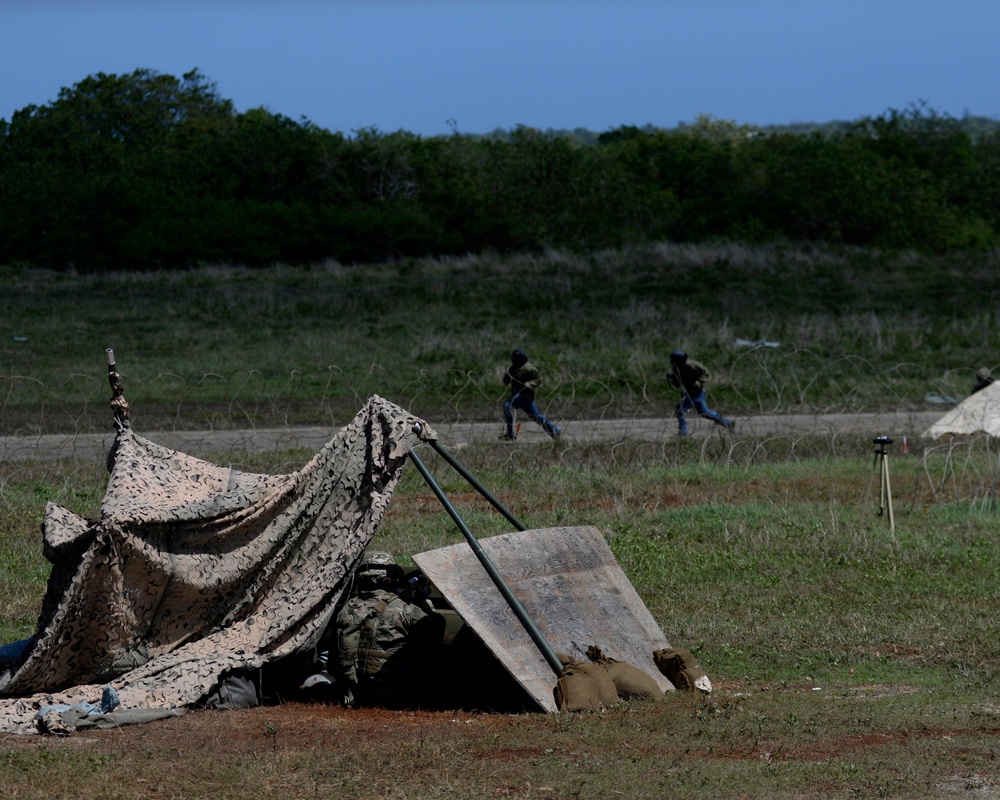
(194, 570)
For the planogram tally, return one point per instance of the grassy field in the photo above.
(848, 660)
(227, 347)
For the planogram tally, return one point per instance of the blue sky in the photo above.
(478, 65)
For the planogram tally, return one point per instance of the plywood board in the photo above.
(571, 587)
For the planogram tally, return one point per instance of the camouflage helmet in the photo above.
(380, 557)
(983, 373)
(375, 567)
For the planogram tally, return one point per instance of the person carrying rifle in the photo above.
(523, 378)
(690, 377)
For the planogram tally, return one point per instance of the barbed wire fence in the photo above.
(608, 424)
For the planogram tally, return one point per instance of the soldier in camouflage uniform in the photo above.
(386, 637)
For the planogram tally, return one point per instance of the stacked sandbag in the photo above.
(630, 682)
(583, 686)
(683, 670)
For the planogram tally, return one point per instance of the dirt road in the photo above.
(459, 434)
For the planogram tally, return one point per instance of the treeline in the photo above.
(150, 171)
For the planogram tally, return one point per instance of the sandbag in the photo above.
(605, 687)
(630, 681)
(575, 691)
(672, 660)
(683, 670)
(584, 687)
(687, 680)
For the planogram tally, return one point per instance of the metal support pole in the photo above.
(477, 485)
(495, 576)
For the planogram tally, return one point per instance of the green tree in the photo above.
(82, 172)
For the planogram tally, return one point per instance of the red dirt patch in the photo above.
(294, 726)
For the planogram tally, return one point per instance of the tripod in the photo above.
(884, 488)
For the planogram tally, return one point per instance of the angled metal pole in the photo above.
(477, 486)
(515, 605)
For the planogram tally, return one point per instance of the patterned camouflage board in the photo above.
(571, 588)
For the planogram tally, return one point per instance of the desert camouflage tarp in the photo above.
(194, 570)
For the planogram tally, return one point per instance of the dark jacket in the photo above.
(689, 376)
(523, 380)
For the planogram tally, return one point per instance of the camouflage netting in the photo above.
(196, 570)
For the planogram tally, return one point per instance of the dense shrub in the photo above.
(150, 171)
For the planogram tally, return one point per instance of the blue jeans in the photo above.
(528, 406)
(698, 403)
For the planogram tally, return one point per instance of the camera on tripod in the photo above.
(884, 492)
